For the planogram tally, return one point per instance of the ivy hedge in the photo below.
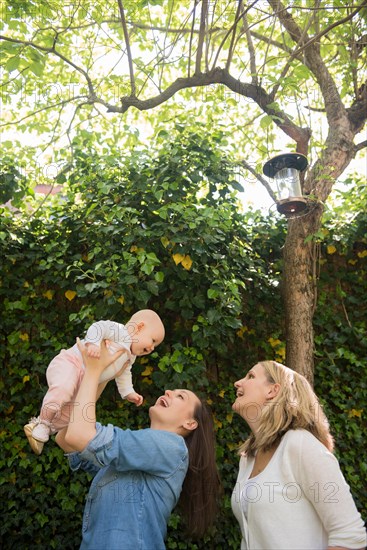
(163, 230)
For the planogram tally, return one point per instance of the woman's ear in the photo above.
(191, 424)
(273, 390)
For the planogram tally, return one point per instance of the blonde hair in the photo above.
(295, 406)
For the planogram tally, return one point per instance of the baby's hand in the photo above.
(93, 350)
(135, 398)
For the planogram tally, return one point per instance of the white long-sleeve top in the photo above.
(300, 501)
(117, 337)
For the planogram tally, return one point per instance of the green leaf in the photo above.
(212, 293)
(177, 367)
(153, 288)
(36, 68)
(12, 64)
(266, 121)
(159, 276)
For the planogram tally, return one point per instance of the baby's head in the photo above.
(146, 331)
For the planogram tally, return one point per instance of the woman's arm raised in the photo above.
(82, 426)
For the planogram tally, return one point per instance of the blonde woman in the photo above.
(290, 493)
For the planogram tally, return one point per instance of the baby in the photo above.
(140, 336)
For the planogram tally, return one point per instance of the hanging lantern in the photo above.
(285, 170)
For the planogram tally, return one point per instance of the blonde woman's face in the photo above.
(252, 392)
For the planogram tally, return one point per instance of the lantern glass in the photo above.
(288, 183)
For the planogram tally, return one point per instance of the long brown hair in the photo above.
(296, 406)
(198, 502)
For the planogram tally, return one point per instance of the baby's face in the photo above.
(146, 338)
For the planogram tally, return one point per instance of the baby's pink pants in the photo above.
(64, 375)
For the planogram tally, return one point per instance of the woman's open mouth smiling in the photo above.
(162, 401)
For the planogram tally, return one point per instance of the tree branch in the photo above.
(275, 43)
(293, 55)
(52, 50)
(333, 103)
(357, 112)
(259, 178)
(128, 49)
(251, 49)
(191, 39)
(92, 98)
(53, 139)
(360, 146)
(46, 108)
(237, 18)
(220, 76)
(199, 52)
(229, 32)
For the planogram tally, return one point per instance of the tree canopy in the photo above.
(272, 76)
(256, 67)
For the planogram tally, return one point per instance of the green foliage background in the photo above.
(162, 229)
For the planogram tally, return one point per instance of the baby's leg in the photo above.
(64, 375)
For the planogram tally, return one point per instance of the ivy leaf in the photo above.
(159, 277)
(187, 262)
(177, 258)
(70, 295)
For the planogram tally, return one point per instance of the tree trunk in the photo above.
(300, 291)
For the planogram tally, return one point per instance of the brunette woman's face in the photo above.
(174, 411)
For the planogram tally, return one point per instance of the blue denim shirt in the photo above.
(138, 481)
